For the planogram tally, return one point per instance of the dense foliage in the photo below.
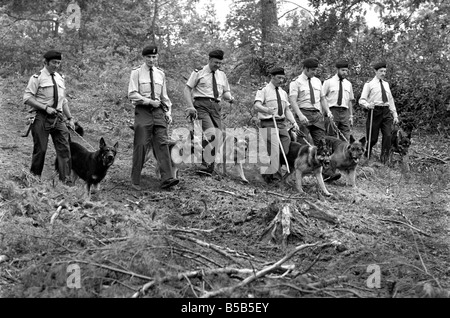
(413, 37)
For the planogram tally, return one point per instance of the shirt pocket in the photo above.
(205, 83)
(158, 86)
(45, 90)
(145, 87)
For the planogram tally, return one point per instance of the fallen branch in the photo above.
(230, 193)
(318, 213)
(192, 274)
(408, 225)
(262, 272)
(214, 247)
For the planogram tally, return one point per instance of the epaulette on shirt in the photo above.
(37, 74)
(160, 69)
(196, 70)
(294, 79)
(136, 67)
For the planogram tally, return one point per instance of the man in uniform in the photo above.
(309, 104)
(45, 93)
(207, 87)
(148, 92)
(272, 101)
(377, 98)
(339, 94)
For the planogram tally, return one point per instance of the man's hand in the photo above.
(72, 124)
(168, 118)
(303, 120)
(396, 120)
(51, 111)
(330, 115)
(371, 106)
(192, 114)
(295, 126)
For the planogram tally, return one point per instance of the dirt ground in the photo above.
(207, 237)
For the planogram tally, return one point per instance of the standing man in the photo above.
(147, 90)
(339, 94)
(377, 98)
(207, 87)
(309, 104)
(270, 101)
(45, 93)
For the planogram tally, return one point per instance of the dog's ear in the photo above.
(116, 145)
(363, 141)
(352, 139)
(102, 143)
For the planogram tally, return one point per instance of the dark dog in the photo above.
(90, 166)
(307, 159)
(400, 143)
(346, 156)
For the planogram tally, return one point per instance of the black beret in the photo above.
(310, 63)
(341, 64)
(379, 65)
(218, 54)
(52, 55)
(149, 49)
(276, 71)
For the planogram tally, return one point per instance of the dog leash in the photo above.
(333, 124)
(84, 140)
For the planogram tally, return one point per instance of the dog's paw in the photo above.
(244, 180)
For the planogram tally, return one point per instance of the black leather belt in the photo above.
(338, 107)
(212, 100)
(278, 120)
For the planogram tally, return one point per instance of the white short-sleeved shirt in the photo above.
(330, 90)
(201, 83)
(268, 97)
(299, 88)
(40, 86)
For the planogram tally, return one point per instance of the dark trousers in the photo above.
(150, 130)
(284, 138)
(382, 120)
(316, 127)
(341, 117)
(208, 112)
(42, 127)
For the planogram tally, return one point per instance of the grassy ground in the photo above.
(205, 237)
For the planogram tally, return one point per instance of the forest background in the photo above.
(102, 41)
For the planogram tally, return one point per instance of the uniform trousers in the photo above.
(382, 120)
(43, 126)
(269, 134)
(316, 126)
(208, 111)
(150, 130)
(341, 117)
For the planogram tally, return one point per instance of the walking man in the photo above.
(339, 94)
(147, 90)
(377, 98)
(45, 93)
(203, 93)
(272, 101)
(310, 105)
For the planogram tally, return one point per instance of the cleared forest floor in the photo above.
(205, 237)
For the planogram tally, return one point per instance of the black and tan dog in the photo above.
(400, 143)
(346, 156)
(91, 166)
(307, 159)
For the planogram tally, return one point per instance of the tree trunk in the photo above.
(155, 17)
(269, 20)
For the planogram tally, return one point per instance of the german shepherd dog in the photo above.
(307, 159)
(400, 142)
(233, 150)
(91, 166)
(346, 156)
